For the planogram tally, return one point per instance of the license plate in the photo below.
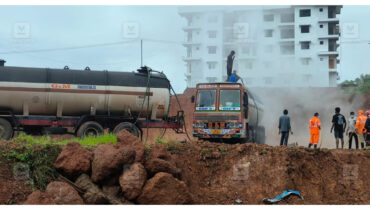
(216, 131)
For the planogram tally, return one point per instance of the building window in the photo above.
(212, 19)
(305, 61)
(268, 33)
(321, 26)
(197, 48)
(321, 42)
(287, 49)
(212, 50)
(212, 34)
(211, 65)
(287, 18)
(305, 29)
(304, 13)
(268, 18)
(305, 45)
(287, 33)
(321, 9)
(321, 59)
(246, 50)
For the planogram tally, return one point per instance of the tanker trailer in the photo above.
(84, 100)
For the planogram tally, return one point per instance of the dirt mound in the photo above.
(221, 174)
(367, 101)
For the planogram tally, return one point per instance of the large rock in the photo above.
(163, 188)
(159, 165)
(63, 193)
(111, 192)
(132, 181)
(74, 160)
(109, 160)
(125, 138)
(39, 198)
(93, 194)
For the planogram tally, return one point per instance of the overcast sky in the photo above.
(53, 27)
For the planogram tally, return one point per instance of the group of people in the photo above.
(357, 128)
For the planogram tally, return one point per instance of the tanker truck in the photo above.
(84, 101)
(227, 112)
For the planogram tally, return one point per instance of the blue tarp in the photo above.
(283, 195)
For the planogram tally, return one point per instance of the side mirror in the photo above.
(192, 99)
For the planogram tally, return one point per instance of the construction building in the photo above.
(276, 46)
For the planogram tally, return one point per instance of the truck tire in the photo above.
(6, 129)
(128, 126)
(89, 128)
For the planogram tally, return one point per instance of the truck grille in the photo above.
(217, 118)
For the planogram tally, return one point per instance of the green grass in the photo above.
(47, 140)
(40, 153)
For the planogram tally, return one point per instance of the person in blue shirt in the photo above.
(234, 77)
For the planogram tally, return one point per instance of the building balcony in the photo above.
(191, 58)
(329, 36)
(329, 20)
(286, 24)
(190, 43)
(328, 53)
(191, 27)
(334, 70)
(283, 40)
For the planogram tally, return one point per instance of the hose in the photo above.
(178, 102)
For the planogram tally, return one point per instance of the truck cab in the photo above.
(225, 111)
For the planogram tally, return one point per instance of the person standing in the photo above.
(284, 128)
(229, 66)
(351, 133)
(360, 125)
(315, 127)
(367, 128)
(339, 125)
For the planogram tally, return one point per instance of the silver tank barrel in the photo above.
(59, 92)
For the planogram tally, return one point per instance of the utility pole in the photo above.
(141, 52)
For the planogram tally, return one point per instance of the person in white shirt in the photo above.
(351, 130)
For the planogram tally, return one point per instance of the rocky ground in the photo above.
(196, 172)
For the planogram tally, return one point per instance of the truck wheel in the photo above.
(128, 126)
(89, 128)
(6, 129)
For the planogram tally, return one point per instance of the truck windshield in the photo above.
(229, 100)
(206, 100)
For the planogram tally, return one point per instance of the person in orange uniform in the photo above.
(315, 126)
(360, 127)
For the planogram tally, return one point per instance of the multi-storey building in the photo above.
(276, 46)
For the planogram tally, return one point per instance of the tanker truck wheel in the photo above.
(6, 129)
(128, 126)
(90, 128)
